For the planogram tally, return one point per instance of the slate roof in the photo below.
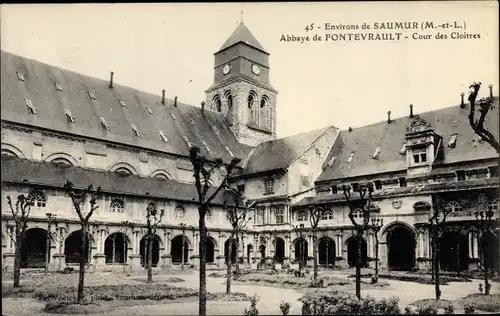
(18, 170)
(401, 191)
(51, 104)
(280, 153)
(242, 34)
(363, 141)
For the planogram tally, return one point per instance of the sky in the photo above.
(152, 47)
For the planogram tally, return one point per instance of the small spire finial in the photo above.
(241, 18)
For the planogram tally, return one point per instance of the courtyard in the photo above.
(38, 291)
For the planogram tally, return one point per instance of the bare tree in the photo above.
(315, 213)
(126, 226)
(48, 242)
(437, 227)
(237, 216)
(183, 246)
(361, 206)
(377, 224)
(202, 172)
(153, 218)
(59, 236)
(485, 223)
(301, 233)
(485, 104)
(78, 197)
(17, 232)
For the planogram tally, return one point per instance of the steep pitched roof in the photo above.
(242, 34)
(17, 170)
(280, 153)
(177, 123)
(363, 142)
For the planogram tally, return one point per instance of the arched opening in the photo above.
(176, 249)
(249, 253)
(123, 170)
(33, 248)
(155, 251)
(301, 250)
(265, 112)
(352, 252)
(7, 152)
(61, 161)
(262, 251)
(326, 251)
(279, 252)
(72, 249)
(210, 250)
(233, 251)
(491, 246)
(115, 248)
(454, 252)
(401, 244)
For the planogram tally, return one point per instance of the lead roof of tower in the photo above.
(242, 35)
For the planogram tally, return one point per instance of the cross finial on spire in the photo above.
(241, 19)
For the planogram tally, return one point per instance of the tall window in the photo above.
(269, 185)
(179, 212)
(358, 213)
(117, 206)
(279, 213)
(493, 205)
(37, 199)
(265, 112)
(420, 155)
(302, 216)
(254, 111)
(260, 215)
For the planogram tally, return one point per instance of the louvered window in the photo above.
(31, 107)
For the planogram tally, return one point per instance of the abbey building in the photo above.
(58, 125)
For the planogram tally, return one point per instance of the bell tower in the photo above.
(241, 88)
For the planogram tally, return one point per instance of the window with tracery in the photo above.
(326, 215)
(453, 207)
(302, 216)
(37, 199)
(179, 212)
(117, 206)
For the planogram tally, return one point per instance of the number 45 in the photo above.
(310, 27)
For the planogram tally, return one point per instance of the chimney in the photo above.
(411, 110)
(350, 129)
(163, 96)
(175, 101)
(111, 80)
(462, 103)
(202, 106)
(389, 117)
(491, 90)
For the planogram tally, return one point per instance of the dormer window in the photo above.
(172, 115)
(331, 161)
(136, 131)
(70, 116)
(104, 124)
(122, 103)
(58, 86)
(91, 95)
(20, 76)
(453, 141)
(149, 110)
(350, 157)
(163, 137)
(269, 186)
(419, 155)
(31, 107)
(205, 144)
(376, 153)
(461, 175)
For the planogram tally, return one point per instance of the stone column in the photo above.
(475, 245)
(135, 257)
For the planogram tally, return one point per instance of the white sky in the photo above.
(170, 46)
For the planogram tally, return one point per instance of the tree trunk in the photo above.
(60, 253)
(228, 273)
(17, 260)
(182, 251)
(436, 267)
(376, 256)
(113, 259)
(485, 266)
(315, 256)
(358, 268)
(150, 259)
(47, 250)
(237, 242)
(202, 306)
(83, 255)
